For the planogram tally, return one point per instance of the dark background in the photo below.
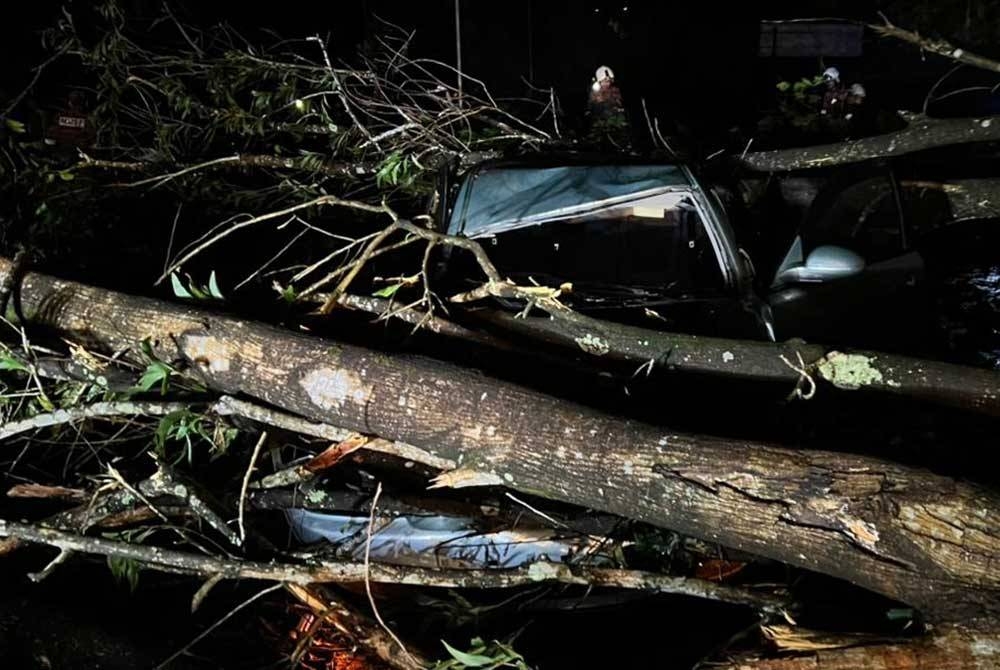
(696, 64)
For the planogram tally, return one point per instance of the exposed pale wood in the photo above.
(947, 648)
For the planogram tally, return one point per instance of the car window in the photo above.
(658, 246)
(928, 204)
(863, 217)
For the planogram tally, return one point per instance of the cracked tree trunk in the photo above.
(948, 648)
(927, 540)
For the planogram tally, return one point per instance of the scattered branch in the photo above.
(99, 410)
(170, 560)
(935, 46)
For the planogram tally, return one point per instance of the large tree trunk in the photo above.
(956, 385)
(927, 540)
(921, 133)
(950, 648)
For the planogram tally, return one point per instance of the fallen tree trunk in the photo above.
(921, 133)
(955, 385)
(927, 540)
(948, 648)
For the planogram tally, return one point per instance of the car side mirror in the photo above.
(825, 263)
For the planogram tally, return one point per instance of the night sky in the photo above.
(694, 63)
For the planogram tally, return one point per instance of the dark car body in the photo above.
(828, 255)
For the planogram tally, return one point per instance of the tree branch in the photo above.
(170, 560)
(936, 46)
(921, 133)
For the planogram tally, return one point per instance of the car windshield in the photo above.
(500, 199)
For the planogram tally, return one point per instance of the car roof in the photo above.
(549, 159)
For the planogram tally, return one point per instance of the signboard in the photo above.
(810, 39)
(71, 125)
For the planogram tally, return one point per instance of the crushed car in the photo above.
(829, 256)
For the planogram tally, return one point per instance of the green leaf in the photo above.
(468, 660)
(179, 289)
(66, 175)
(11, 363)
(783, 86)
(14, 125)
(388, 291)
(213, 287)
(289, 294)
(125, 570)
(156, 372)
(45, 403)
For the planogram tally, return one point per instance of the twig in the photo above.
(240, 161)
(274, 258)
(315, 202)
(354, 625)
(340, 89)
(805, 378)
(208, 631)
(160, 180)
(164, 482)
(203, 591)
(383, 309)
(246, 483)
(171, 560)
(40, 491)
(64, 554)
(654, 130)
(300, 473)
(930, 93)
(496, 286)
(183, 32)
(170, 242)
(34, 80)
(537, 512)
(368, 581)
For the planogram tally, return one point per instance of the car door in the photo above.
(850, 276)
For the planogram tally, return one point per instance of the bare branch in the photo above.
(171, 560)
(936, 46)
(99, 410)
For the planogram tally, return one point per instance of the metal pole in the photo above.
(458, 46)
(531, 44)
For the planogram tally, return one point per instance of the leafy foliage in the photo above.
(397, 169)
(193, 291)
(125, 570)
(209, 122)
(157, 373)
(187, 429)
(482, 655)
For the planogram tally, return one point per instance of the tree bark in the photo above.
(936, 46)
(955, 385)
(949, 648)
(921, 133)
(927, 540)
